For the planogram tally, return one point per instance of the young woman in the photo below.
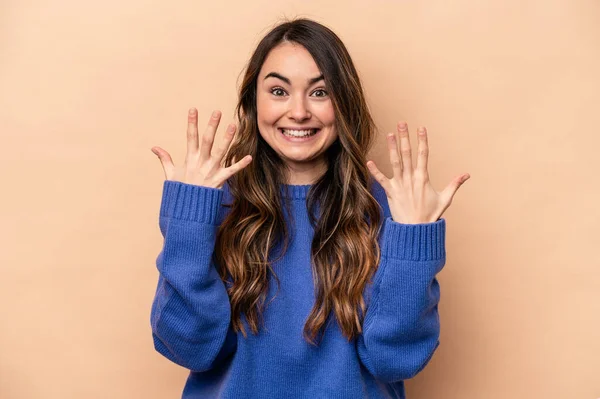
(286, 271)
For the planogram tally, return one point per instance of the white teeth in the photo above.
(298, 133)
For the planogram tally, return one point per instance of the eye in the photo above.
(321, 91)
(276, 90)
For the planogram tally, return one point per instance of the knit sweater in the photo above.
(190, 315)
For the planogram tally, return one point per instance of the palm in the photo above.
(203, 161)
(411, 197)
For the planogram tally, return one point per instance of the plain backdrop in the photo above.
(508, 90)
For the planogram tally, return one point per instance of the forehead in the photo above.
(292, 61)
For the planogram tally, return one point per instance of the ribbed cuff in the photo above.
(190, 202)
(425, 241)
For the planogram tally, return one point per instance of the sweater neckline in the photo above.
(294, 191)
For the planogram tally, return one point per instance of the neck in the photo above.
(299, 174)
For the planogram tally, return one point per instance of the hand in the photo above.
(411, 197)
(201, 167)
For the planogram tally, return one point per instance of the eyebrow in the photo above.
(286, 80)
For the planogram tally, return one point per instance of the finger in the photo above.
(236, 167)
(423, 152)
(209, 135)
(380, 177)
(165, 161)
(450, 190)
(220, 150)
(405, 151)
(394, 156)
(192, 133)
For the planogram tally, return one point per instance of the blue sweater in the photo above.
(190, 316)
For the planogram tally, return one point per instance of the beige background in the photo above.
(509, 92)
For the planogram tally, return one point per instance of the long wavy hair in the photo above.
(345, 250)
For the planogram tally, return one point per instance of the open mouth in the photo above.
(299, 133)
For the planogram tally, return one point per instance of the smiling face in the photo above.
(294, 111)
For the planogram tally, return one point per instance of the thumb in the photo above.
(165, 161)
(453, 187)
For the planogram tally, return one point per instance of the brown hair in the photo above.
(345, 251)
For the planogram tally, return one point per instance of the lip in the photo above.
(299, 128)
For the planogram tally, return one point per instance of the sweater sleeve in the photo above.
(401, 326)
(190, 315)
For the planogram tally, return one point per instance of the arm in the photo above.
(401, 325)
(190, 316)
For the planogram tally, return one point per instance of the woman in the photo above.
(283, 234)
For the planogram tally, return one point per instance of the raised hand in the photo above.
(202, 166)
(411, 198)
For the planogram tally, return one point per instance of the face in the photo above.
(294, 111)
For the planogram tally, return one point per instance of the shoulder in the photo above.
(378, 193)
(227, 197)
(226, 203)
(375, 189)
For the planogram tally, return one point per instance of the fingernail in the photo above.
(215, 114)
(192, 111)
(402, 125)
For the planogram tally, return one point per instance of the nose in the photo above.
(298, 109)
